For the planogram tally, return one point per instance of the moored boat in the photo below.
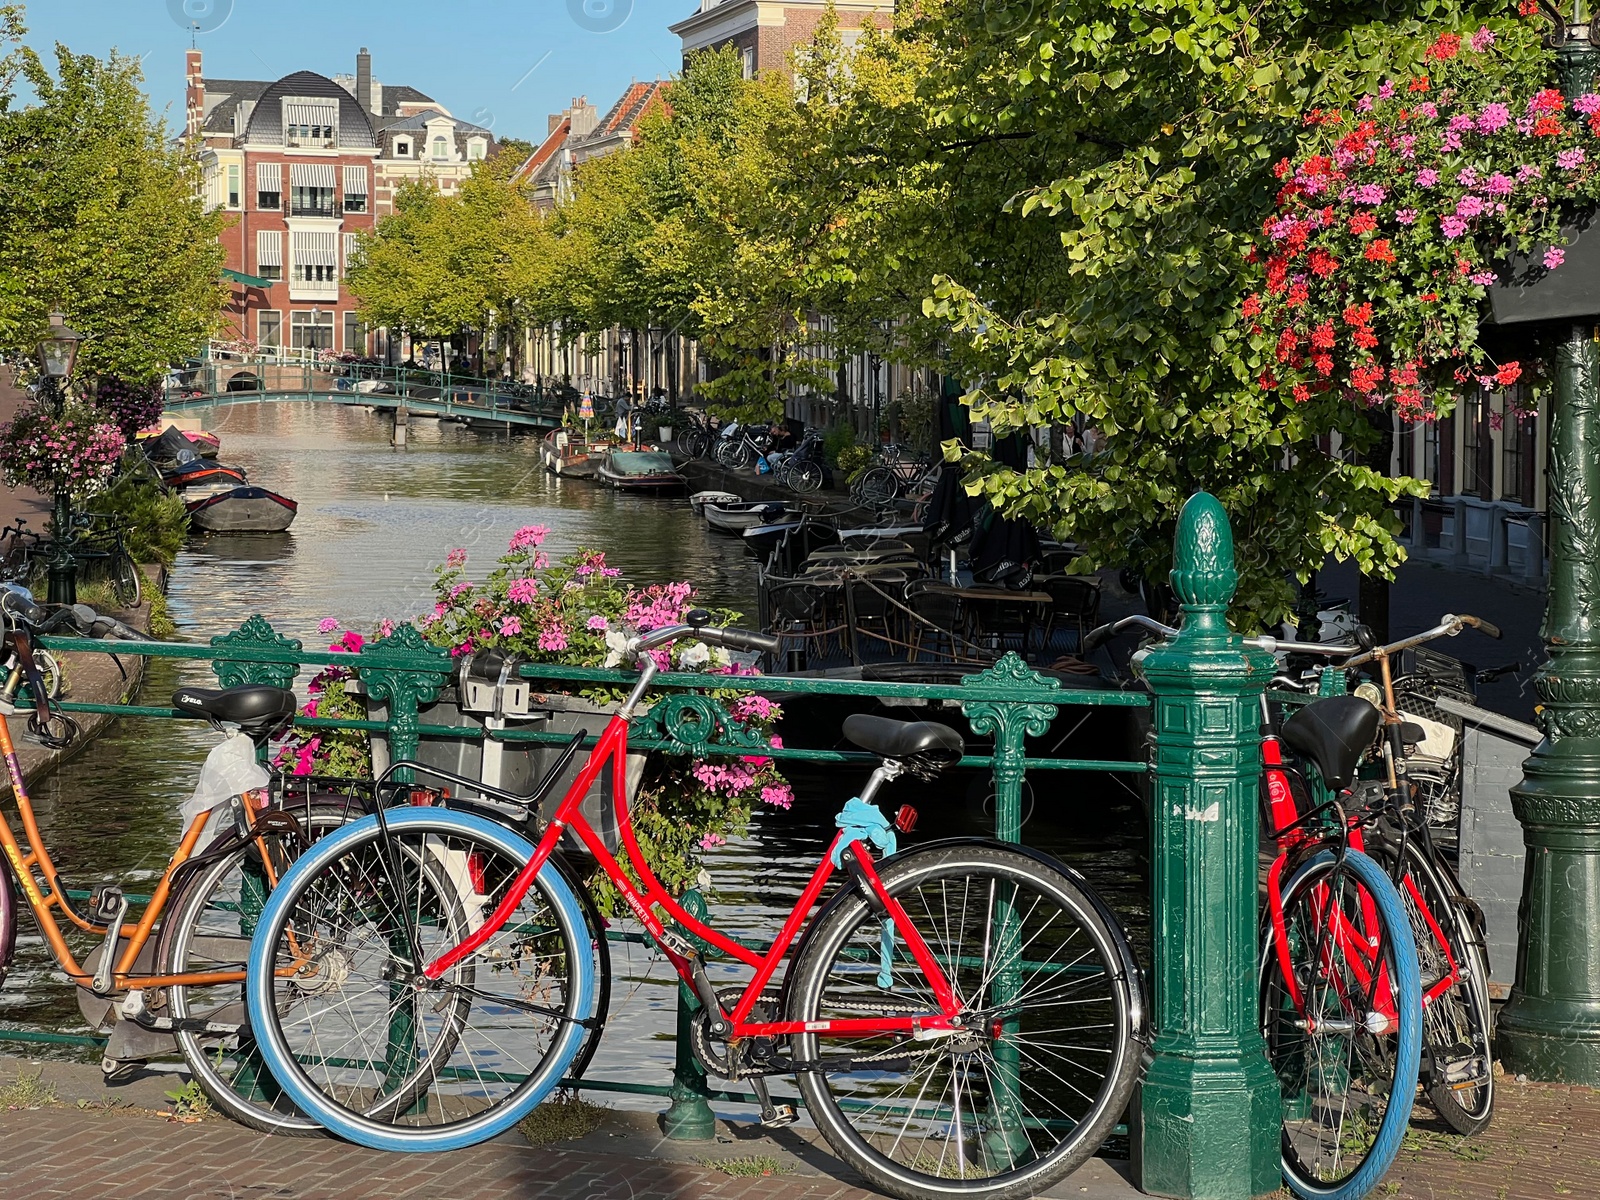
(198, 471)
(640, 471)
(566, 454)
(243, 510)
(736, 518)
(699, 500)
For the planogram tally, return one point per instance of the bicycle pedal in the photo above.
(106, 903)
(778, 1116)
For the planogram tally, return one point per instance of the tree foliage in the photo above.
(99, 215)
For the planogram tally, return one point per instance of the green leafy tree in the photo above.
(1081, 183)
(99, 214)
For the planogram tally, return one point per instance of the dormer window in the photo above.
(476, 149)
(441, 148)
(402, 148)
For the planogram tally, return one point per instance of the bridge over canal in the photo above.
(396, 389)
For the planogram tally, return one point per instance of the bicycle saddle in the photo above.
(924, 742)
(1333, 733)
(256, 707)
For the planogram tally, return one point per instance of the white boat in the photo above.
(699, 500)
(736, 518)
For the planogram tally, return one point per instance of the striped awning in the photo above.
(269, 177)
(269, 248)
(355, 181)
(301, 112)
(312, 175)
(314, 249)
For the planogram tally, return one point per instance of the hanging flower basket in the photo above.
(76, 449)
(1458, 191)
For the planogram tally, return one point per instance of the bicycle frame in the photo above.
(643, 901)
(45, 894)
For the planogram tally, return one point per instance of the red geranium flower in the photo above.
(1446, 48)
(1547, 127)
(1322, 336)
(1322, 263)
(1419, 84)
(1363, 222)
(1508, 373)
(1378, 251)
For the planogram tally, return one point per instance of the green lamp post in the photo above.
(58, 352)
(1550, 1029)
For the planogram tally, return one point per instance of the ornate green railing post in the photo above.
(1550, 1029)
(1210, 1112)
(402, 671)
(689, 1118)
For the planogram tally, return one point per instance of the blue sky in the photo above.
(505, 64)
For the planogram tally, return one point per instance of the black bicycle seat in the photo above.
(1333, 732)
(929, 743)
(254, 706)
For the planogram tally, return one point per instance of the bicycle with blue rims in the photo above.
(964, 1018)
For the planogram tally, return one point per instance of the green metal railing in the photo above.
(404, 674)
(437, 393)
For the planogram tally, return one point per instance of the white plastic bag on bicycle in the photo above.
(230, 770)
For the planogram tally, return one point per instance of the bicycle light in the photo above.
(906, 819)
(1370, 693)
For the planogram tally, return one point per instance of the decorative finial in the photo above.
(1203, 572)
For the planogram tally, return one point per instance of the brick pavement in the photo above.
(1544, 1144)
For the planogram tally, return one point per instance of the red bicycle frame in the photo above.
(644, 902)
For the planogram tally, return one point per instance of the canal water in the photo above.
(373, 521)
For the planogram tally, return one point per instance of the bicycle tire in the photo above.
(49, 672)
(806, 478)
(694, 442)
(1307, 1101)
(203, 925)
(1457, 1024)
(456, 1104)
(127, 581)
(980, 1155)
(879, 487)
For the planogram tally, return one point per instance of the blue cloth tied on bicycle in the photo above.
(859, 821)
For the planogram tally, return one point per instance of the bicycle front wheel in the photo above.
(1341, 1011)
(127, 581)
(694, 442)
(365, 1043)
(1457, 1029)
(208, 932)
(1052, 1017)
(806, 478)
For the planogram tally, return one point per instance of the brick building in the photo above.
(307, 163)
(767, 31)
(580, 133)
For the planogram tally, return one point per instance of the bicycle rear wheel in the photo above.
(208, 931)
(1052, 1011)
(127, 581)
(1457, 1028)
(1341, 1011)
(366, 1045)
(805, 478)
(694, 442)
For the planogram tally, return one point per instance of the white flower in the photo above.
(695, 657)
(617, 644)
(721, 658)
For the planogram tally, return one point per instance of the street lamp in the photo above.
(58, 352)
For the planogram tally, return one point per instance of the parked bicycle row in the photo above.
(417, 970)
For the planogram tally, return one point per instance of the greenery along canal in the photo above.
(373, 521)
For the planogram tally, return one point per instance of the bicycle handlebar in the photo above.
(732, 639)
(1449, 626)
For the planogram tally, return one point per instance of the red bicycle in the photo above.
(964, 1019)
(1341, 1001)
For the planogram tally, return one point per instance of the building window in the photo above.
(311, 190)
(309, 123)
(1476, 476)
(269, 254)
(311, 330)
(441, 149)
(355, 337)
(355, 189)
(269, 187)
(233, 185)
(313, 258)
(747, 57)
(402, 148)
(269, 328)
(1429, 467)
(1518, 441)
(476, 149)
